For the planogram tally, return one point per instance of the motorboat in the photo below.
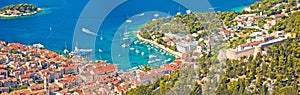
(100, 50)
(132, 48)
(152, 56)
(142, 53)
(137, 51)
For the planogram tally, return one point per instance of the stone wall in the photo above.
(234, 54)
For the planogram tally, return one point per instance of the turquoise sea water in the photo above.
(62, 16)
(239, 9)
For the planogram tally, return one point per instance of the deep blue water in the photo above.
(62, 17)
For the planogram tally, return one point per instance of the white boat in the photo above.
(157, 59)
(168, 60)
(135, 42)
(101, 38)
(85, 30)
(152, 61)
(131, 48)
(156, 15)
(152, 56)
(100, 50)
(142, 53)
(142, 14)
(126, 32)
(149, 49)
(50, 28)
(153, 19)
(188, 11)
(125, 45)
(128, 20)
(125, 38)
(66, 51)
(137, 51)
(178, 13)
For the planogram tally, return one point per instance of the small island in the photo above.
(17, 10)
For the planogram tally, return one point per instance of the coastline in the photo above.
(239, 9)
(21, 15)
(176, 54)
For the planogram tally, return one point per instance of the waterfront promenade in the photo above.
(177, 54)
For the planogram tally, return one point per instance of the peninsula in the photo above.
(17, 10)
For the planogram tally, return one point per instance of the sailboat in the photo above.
(128, 20)
(101, 38)
(178, 13)
(126, 32)
(66, 50)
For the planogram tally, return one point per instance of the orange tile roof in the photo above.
(252, 43)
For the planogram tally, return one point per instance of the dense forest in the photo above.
(186, 24)
(267, 6)
(273, 73)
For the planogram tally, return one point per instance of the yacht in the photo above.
(142, 53)
(157, 60)
(66, 50)
(128, 20)
(124, 45)
(100, 50)
(125, 38)
(137, 51)
(188, 11)
(150, 62)
(178, 13)
(142, 14)
(85, 30)
(131, 48)
(152, 56)
(156, 15)
(168, 60)
(101, 38)
(126, 32)
(135, 42)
